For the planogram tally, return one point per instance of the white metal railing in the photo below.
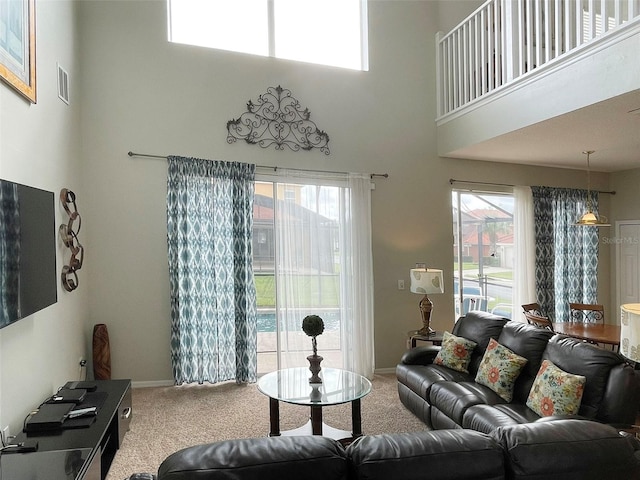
(505, 39)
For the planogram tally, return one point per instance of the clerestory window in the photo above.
(327, 32)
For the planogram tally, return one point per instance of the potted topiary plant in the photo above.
(313, 326)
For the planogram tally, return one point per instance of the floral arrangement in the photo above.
(313, 326)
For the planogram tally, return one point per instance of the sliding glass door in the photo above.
(484, 254)
(304, 265)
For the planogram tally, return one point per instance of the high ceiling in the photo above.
(610, 128)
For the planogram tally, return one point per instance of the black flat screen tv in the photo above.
(28, 280)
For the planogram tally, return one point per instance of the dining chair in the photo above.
(533, 308)
(586, 312)
(539, 321)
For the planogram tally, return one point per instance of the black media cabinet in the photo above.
(76, 453)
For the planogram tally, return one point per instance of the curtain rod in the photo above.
(453, 180)
(148, 155)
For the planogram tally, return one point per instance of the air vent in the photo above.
(63, 85)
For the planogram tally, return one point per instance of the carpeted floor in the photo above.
(166, 419)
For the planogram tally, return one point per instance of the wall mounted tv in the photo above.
(28, 281)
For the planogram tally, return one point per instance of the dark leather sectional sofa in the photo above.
(444, 398)
(478, 435)
(565, 449)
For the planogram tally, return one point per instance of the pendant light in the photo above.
(590, 219)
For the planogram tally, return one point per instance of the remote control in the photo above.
(81, 412)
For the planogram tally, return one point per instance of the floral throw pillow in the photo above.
(555, 392)
(455, 352)
(499, 369)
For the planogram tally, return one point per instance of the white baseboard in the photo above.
(154, 383)
(385, 370)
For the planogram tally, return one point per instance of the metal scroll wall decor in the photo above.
(69, 233)
(278, 119)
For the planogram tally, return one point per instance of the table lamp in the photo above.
(630, 331)
(426, 281)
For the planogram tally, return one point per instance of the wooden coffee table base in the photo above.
(315, 425)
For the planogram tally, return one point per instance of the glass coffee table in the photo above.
(338, 386)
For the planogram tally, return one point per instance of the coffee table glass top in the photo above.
(291, 385)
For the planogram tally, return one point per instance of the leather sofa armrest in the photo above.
(423, 355)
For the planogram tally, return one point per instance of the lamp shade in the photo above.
(630, 331)
(591, 219)
(426, 280)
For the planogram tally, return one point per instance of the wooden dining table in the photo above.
(597, 333)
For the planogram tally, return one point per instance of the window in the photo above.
(483, 252)
(327, 32)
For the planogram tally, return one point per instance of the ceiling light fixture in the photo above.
(590, 219)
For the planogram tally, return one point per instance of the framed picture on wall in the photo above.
(18, 46)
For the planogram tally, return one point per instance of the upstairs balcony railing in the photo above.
(504, 40)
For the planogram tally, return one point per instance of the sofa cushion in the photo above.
(454, 398)
(415, 382)
(455, 352)
(309, 457)
(555, 392)
(529, 342)
(420, 378)
(437, 455)
(567, 450)
(486, 418)
(581, 358)
(479, 327)
(499, 369)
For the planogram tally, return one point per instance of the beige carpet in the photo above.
(166, 419)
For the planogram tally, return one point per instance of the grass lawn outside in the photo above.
(313, 290)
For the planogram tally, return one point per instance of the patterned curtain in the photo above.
(213, 297)
(9, 253)
(566, 254)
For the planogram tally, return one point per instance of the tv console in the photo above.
(83, 453)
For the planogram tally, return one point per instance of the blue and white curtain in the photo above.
(566, 259)
(213, 297)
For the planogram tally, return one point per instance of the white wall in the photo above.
(40, 147)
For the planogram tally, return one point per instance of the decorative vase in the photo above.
(314, 368)
(101, 353)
